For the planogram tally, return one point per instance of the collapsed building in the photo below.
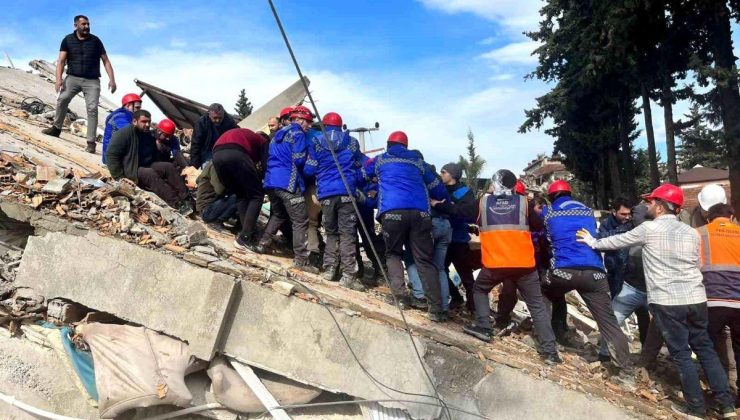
(113, 305)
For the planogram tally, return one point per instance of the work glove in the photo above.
(584, 236)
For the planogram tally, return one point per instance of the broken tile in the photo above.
(45, 173)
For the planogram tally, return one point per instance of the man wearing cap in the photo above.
(406, 183)
(676, 295)
(168, 145)
(207, 130)
(462, 209)
(120, 118)
(508, 256)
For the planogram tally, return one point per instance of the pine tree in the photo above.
(472, 165)
(700, 144)
(243, 107)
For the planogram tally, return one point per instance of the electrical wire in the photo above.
(350, 193)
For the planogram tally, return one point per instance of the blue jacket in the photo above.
(562, 220)
(405, 181)
(320, 163)
(116, 120)
(616, 261)
(287, 156)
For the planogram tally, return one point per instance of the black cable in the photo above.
(364, 228)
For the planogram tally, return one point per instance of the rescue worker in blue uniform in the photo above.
(575, 266)
(284, 176)
(120, 118)
(406, 184)
(340, 220)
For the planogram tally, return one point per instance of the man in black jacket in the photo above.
(207, 130)
(132, 154)
(463, 210)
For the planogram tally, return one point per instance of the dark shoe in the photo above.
(315, 260)
(217, 226)
(456, 302)
(242, 244)
(502, 329)
(419, 303)
(351, 281)
(439, 316)
(330, 273)
(52, 131)
(403, 301)
(304, 266)
(685, 413)
(604, 359)
(724, 413)
(551, 359)
(480, 333)
(90, 148)
(368, 273)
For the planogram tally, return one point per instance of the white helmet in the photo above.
(710, 195)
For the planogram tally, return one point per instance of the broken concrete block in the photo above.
(206, 250)
(56, 186)
(283, 287)
(227, 267)
(199, 258)
(133, 283)
(197, 233)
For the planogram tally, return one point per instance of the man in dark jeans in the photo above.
(132, 154)
(82, 52)
(214, 204)
(676, 296)
(615, 262)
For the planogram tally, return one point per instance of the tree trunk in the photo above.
(727, 86)
(614, 173)
(670, 134)
(624, 138)
(652, 153)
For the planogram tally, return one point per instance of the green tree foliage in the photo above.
(243, 107)
(472, 166)
(701, 144)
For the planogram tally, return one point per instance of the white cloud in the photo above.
(150, 25)
(487, 41)
(514, 53)
(515, 15)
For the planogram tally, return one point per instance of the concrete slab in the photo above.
(133, 283)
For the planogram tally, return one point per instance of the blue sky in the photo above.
(433, 68)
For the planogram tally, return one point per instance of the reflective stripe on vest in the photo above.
(504, 233)
(720, 246)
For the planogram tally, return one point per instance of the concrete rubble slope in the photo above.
(131, 282)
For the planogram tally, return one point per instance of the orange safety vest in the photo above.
(720, 245)
(504, 233)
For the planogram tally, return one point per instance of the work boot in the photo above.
(438, 316)
(52, 131)
(502, 330)
(351, 281)
(480, 333)
(419, 303)
(723, 413)
(404, 301)
(330, 273)
(315, 260)
(551, 359)
(90, 148)
(243, 244)
(304, 266)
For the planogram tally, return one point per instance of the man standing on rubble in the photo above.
(82, 52)
(575, 266)
(132, 154)
(615, 262)
(676, 295)
(406, 183)
(238, 158)
(508, 255)
(120, 118)
(340, 220)
(462, 208)
(284, 177)
(207, 130)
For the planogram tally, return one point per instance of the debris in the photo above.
(61, 312)
(175, 248)
(227, 267)
(45, 173)
(648, 395)
(283, 287)
(199, 258)
(56, 186)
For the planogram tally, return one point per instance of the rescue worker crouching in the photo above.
(168, 145)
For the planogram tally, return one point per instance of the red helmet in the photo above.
(558, 186)
(302, 112)
(666, 192)
(332, 118)
(519, 188)
(130, 97)
(166, 126)
(399, 137)
(285, 112)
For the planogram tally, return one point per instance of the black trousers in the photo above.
(369, 220)
(719, 318)
(340, 225)
(163, 179)
(528, 283)
(594, 289)
(239, 175)
(295, 211)
(413, 229)
(465, 262)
